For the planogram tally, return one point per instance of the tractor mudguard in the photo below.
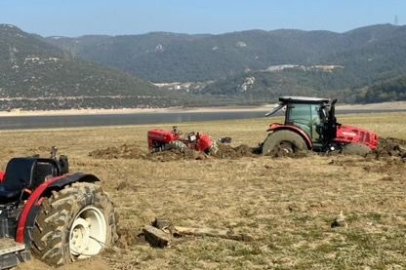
(33, 204)
(204, 143)
(275, 127)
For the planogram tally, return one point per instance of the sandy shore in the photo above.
(132, 111)
(376, 106)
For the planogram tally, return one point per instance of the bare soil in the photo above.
(391, 147)
(304, 212)
(388, 147)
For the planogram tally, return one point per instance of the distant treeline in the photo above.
(392, 90)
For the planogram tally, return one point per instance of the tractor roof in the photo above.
(298, 99)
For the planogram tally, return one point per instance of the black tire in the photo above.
(355, 149)
(61, 216)
(287, 140)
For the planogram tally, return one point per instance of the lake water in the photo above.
(62, 121)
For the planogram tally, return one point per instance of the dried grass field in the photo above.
(286, 204)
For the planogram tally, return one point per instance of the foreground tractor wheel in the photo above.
(355, 149)
(75, 223)
(285, 140)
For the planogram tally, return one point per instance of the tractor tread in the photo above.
(50, 236)
(276, 138)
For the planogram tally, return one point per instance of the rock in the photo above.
(339, 221)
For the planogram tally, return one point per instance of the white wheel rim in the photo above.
(88, 233)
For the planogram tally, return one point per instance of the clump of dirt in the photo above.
(280, 152)
(227, 151)
(388, 153)
(127, 237)
(126, 151)
(224, 151)
(390, 147)
(176, 154)
(126, 185)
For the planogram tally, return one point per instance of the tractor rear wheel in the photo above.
(355, 149)
(74, 223)
(285, 140)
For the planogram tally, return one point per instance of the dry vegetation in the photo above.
(286, 204)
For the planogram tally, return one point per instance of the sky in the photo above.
(119, 17)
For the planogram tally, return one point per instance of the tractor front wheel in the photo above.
(74, 223)
(355, 149)
(285, 140)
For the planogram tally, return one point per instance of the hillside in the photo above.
(249, 67)
(367, 54)
(267, 86)
(390, 90)
(37, 75)
(168, 57)
(375, 53)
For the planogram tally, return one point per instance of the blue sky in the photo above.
(116, 17)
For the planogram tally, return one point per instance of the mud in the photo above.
(126, 151)
(133, 151)
(388, 148)
(227, 151)
(389, 157)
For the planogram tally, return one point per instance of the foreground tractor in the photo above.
(163, 140)
(55, 216)
(311, 124)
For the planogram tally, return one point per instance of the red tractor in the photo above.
(163, 140)
(55, 216)
(311, 124)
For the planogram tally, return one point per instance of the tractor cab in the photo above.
(24, 174)
(308, 114)
(312, 115)
(310, 123)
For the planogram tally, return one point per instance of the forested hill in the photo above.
(37, 75)
(390, 90)
(250, 67)
(367, 54)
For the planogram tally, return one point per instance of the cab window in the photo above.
(305, 116)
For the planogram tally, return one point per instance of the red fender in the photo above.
(275, 127)
(203, 143)
(34, 201)
(2, 174)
